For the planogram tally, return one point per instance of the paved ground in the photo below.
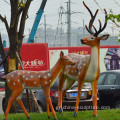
(1, 97)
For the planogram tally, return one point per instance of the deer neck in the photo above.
(55, 71)
(94, 59)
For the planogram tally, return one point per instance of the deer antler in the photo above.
(105, 24)
(92, 20)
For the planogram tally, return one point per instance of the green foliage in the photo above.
(118, 40)
(110, 114)
(114, 17)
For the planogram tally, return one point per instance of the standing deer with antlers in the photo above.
(21, 79)
(86, 68)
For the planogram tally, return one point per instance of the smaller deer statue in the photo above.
(86, 68)
(21, 79)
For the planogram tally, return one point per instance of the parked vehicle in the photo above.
(2, 86)
(109, 89)
(2, 83)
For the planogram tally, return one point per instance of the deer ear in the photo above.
(61, 54)
(104, 37)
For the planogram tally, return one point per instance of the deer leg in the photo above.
(48, 108)
(80, 85)
(62, 79)
(19, 101)
(48, 99)
(68, 84)
(14, 95)
(94, 94)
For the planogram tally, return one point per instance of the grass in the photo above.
(111, 114)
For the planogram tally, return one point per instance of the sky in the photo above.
(52, 9)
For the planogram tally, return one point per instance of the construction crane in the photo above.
(36, 22)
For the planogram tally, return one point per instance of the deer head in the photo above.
(66, 60)
(94, 39)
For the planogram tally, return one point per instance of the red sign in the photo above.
(35, 57)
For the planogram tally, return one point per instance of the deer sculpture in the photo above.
(21, 79)
(86, 68)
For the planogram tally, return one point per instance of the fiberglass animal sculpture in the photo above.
(86, 68)
(21, 79)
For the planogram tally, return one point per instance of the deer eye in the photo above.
(66, 59)
(92, 38)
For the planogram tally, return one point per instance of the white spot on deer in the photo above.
(29, 72)
(18, 73)
(14, 83)
(50, 80)
(31, 76)
(45, 77)
(8, 80)
(23, 76)
(49, 74)
(72, 71)
(12, 75)
(34, 82)
(79, 67)
(39, 76)
(26, 78)
(18, 80)
(84, 64)
(45, 82)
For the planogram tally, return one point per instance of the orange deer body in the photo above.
(21, 79)
(86, 68)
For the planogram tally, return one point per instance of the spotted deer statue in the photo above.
(21, 79)
(86, 68)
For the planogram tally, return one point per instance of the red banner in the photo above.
(35, 56)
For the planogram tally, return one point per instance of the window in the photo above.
(100, 80)
(110, 79)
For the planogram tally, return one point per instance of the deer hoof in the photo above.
(28, 117)
(60, 110)
(74, 114)
(95, 115)
(55, 119)
(48, 117)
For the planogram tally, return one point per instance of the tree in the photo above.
(15, 31)
(114, 18)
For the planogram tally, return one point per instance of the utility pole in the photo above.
(69, 22)
(83, 27)
(45, 28)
